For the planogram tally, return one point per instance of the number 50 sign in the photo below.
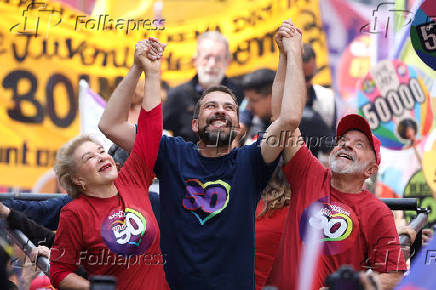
(396, 104)
(423, 33)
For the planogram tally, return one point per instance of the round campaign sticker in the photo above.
(429, 161)
(423, 33)
(337, 222)
(396, 104)
(128, 232)
(418, 188)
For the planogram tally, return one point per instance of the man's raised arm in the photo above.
(279, 79)
(294, 95)
(114, 121)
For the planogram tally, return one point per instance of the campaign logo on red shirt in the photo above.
(128, 232)
(206, 200)
(338, 223)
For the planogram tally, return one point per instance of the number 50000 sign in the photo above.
(383, 109)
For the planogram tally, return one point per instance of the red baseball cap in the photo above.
(357, 122)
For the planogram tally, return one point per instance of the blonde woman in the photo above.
(109, 227)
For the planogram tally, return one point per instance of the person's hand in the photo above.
(407, 230)
(285, 30)
(292, 44)
(369, 281)
(39, 251)
(4, 211)
(148, 54)
(427, 235)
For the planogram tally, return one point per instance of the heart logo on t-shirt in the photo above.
(206, 200)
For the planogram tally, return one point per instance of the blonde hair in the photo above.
(65, 167)
(277, 193)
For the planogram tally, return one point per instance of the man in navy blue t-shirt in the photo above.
(209, 190)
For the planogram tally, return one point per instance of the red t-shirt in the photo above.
(358, 229)
(268, 232)
(119, 235)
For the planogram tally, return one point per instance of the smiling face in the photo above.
(353, 155)
(217, 117)
(93, 165)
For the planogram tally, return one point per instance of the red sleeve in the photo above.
(149, 134)
(66, 248)
(298, 168)
(384, 253)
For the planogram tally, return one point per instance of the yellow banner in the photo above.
(41, 66)
(45, 48)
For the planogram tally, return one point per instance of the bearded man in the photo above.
(357, 228)
(209, 191)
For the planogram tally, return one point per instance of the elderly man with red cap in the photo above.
(357, 228)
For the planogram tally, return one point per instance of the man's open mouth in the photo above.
(220, 123)
(345, 155)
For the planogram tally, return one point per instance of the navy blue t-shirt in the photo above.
(207, 214)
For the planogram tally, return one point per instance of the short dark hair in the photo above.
(308, 52)
(404, 124)
(219, 88)
(260, 81)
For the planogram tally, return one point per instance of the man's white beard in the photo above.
(208, 80)
(355, 167)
